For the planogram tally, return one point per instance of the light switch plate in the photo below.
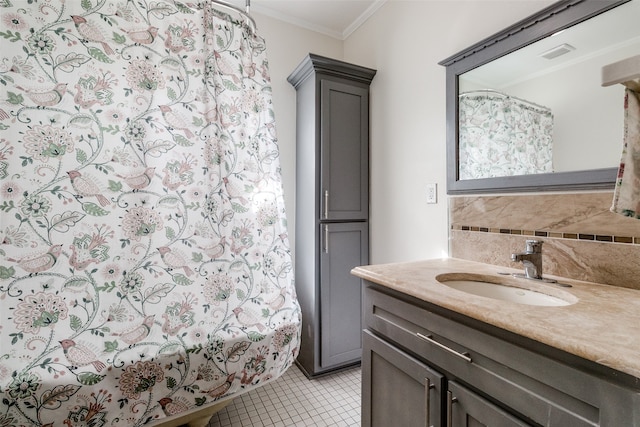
(432, 193)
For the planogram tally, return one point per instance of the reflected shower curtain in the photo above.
(145, 268)
(503, 136)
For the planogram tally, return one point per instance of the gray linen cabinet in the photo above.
(332, 209)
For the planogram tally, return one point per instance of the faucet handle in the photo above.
(533, 246)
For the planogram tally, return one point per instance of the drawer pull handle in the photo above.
(450, 401)
(427, 400)
(429, 338)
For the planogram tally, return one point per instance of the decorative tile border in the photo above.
(552, 234)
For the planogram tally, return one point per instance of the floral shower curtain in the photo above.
(145, 268)
(503, 136)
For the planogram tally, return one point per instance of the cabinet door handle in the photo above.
(326, 204)
(427, 400)
(450, 401)
(326, 239)
(429, 339)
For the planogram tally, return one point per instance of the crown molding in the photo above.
(267, 11)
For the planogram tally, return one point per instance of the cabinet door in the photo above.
(344, 246)
(344, 147)
(398, 390)
(468, 409)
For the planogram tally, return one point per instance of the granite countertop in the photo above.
(601, 324)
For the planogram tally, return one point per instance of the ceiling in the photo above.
(615, 33)
(334, 18)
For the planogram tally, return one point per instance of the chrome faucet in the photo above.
(531, 258)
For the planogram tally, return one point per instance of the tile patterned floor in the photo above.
(294, 400)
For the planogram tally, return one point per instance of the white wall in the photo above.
(404, 41)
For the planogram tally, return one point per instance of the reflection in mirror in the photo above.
(540, 110)
(561, 72)
(503, 135)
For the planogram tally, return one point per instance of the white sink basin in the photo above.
(506, 289)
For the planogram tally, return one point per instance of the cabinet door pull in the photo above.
(429, 338)
(326, 239)
(450, 401)
(326, 204)
(427, 400)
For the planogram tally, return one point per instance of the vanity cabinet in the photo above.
(468, 409)
(427, 366)
(332, 209)
(399, 389)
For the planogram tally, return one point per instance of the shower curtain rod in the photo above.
(244, 13)
(506, 95)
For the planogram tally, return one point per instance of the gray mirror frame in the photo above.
(558, 16)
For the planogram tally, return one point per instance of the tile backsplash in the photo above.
(582, 239)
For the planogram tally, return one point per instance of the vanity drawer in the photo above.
(533, 386)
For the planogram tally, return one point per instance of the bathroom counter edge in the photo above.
(600, 327)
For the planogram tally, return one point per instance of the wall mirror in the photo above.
(526, 109)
